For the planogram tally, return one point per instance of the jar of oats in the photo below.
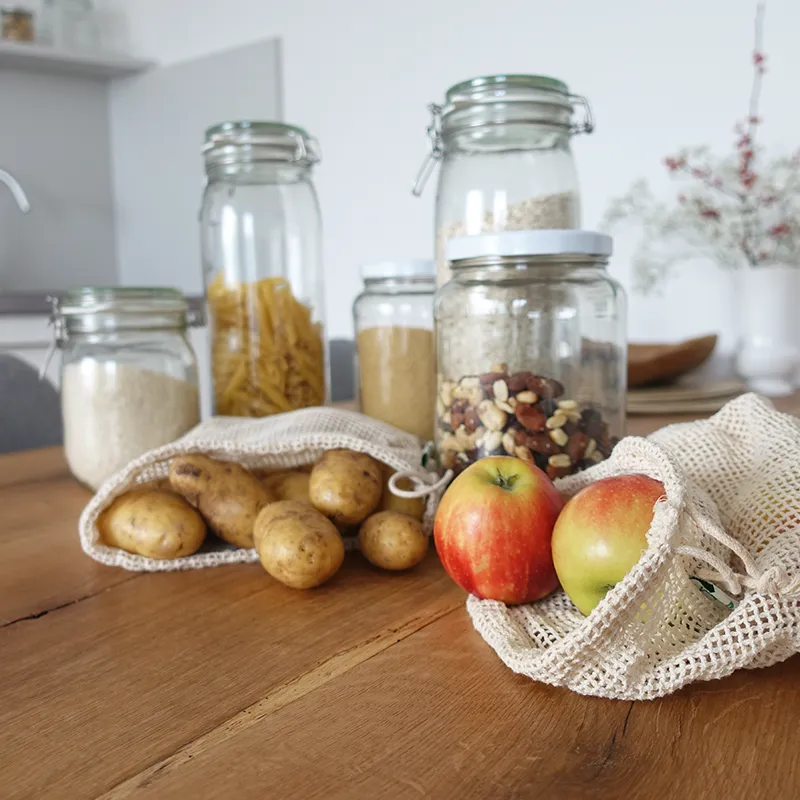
(503, 143)
(395, 345)
(128, 376)
(531, 344)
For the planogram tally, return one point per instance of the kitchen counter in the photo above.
(224, 683)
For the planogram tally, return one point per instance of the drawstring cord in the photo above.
(424, 483)
(774, 581)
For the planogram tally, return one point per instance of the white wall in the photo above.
(157, 124)
(54, 140)
(359, 73)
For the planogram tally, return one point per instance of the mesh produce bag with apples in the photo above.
(730, 521)
(283, 441)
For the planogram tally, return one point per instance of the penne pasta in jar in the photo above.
(261, 248)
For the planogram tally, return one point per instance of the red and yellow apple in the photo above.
(601, 534)
(493, 529)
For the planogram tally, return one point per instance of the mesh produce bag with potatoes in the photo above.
(284, 441)
(730, 520)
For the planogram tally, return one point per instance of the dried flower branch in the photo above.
(739, 210)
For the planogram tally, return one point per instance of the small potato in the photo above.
(157, 484)
(289, 485)
(394, 541)
(227, 495)
(152, 523)
(346, 486)
(298, 545)
(403, 505)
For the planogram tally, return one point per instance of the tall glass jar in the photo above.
(532, 354)
(506, 162)
(396, 350)
(129, 376)
(262, 259)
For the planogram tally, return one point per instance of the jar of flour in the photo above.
(128, 378)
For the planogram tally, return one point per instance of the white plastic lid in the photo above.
(414, 268)
(529, 243)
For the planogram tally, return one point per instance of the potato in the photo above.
(227, 495)
(403, 505)
(152, 523)
(157, 484)
(297, 544)
(391, 540)
(346, 486)
(288, 485)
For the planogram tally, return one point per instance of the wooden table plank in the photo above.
(32, 466)
(439, 716)
(435, 716)
(99, 690)
(222, 682)
(42, 566)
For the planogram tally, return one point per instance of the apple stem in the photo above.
(505, 481)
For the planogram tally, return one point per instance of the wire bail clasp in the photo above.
(586, 125)
(434, 131)
(56, 322)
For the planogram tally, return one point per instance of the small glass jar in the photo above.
(128, 377)
(262, 259)
(506, 162)
(532, 353)
(395, 345)
(17, 25)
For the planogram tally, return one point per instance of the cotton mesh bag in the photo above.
(718, 587)
(283, 441)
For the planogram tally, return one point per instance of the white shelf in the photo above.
(38, 58)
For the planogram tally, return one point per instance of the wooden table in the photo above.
(223, 683)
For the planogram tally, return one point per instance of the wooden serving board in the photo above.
(702, 399)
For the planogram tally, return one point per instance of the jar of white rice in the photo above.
(129, 376)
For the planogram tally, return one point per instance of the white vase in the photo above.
(768, 355)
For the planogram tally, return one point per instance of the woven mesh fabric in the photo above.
(278, 442)
(655, 631)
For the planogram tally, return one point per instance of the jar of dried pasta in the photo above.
(261, 248)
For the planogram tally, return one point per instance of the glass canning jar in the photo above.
(128, 375)
(506, 162)
(531, 347)
(262, 260)
(393, 319)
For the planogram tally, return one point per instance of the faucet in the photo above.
(19, 193)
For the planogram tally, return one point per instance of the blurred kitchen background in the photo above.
(107, 147)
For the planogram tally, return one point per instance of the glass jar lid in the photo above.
(498, 99)
(93, 308)
(419, 268)
(108, 309)
(493, 100)
(246, 141)
(529, 244)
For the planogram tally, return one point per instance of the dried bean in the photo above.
(577, 446)
(488, 380)
(518, 382)
(539, 443)
(530, 417)
(471, 420)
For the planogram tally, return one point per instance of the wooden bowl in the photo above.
(650, 364)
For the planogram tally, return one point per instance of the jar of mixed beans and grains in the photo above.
(531, 349)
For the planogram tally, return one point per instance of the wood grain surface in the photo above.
(222, 683)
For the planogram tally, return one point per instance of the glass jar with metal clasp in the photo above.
(262, 259)
(128, 375)
(503, 142)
